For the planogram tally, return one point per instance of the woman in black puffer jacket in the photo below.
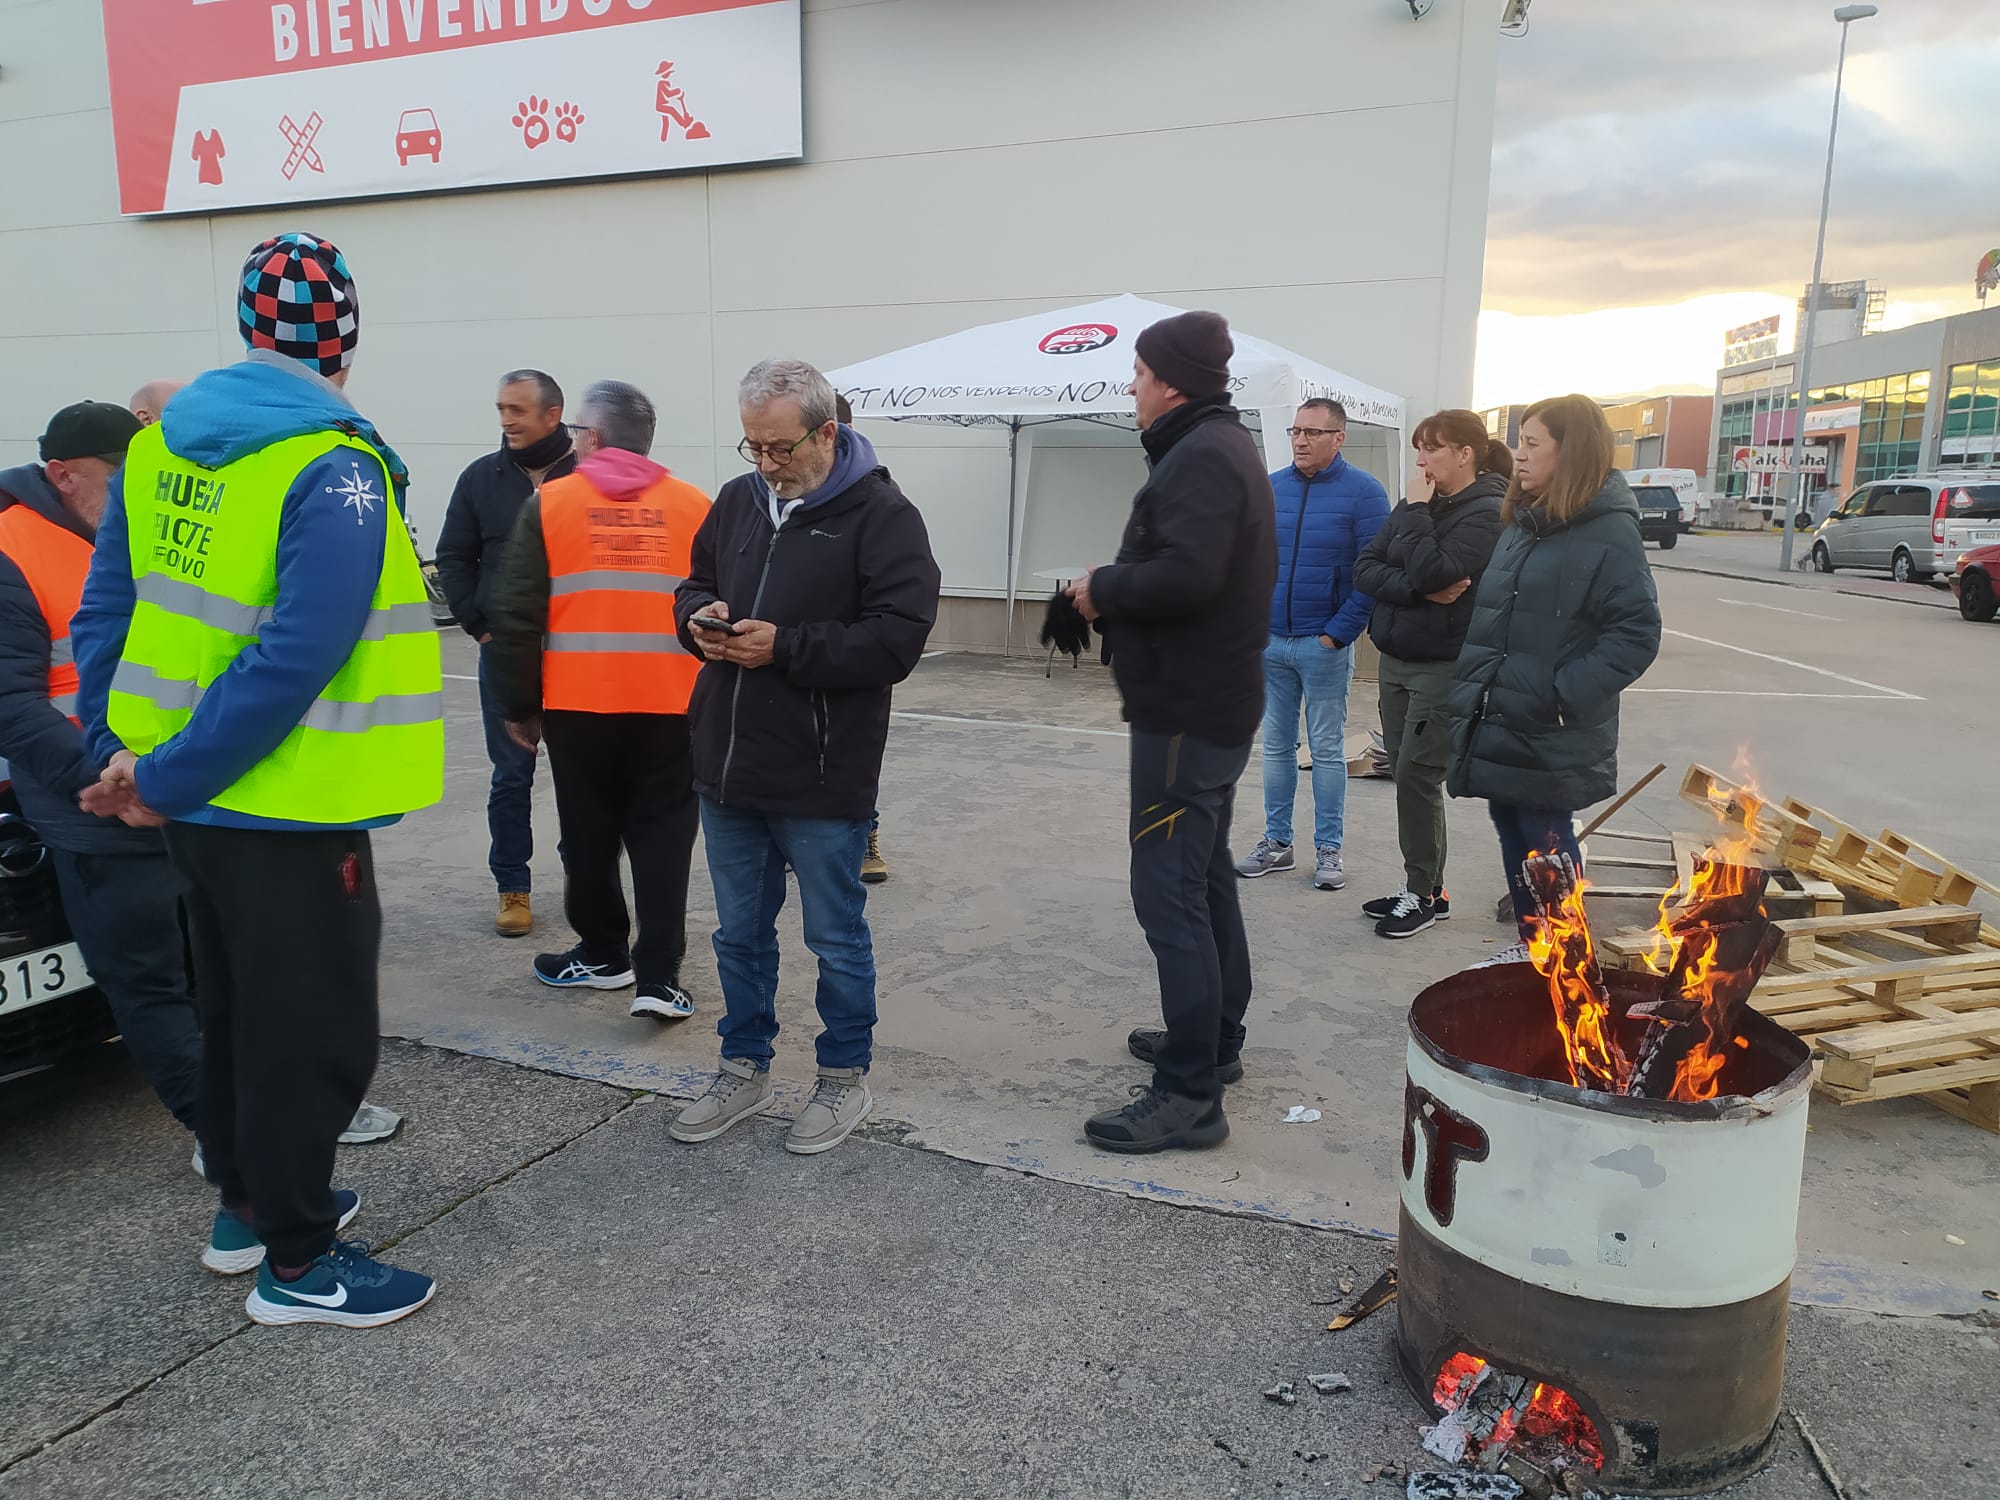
(1564, 620)
(1419, 570)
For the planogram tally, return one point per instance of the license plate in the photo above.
(30, 978)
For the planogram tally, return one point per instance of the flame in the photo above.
(1563, 951)
(1553, 1419)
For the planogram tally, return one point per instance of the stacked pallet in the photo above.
(1898, 984)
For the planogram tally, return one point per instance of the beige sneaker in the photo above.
(873, 870)
(740, 1090)
(840, 1102)
(515, 916)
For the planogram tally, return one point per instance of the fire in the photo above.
(1552, 1425)
(1563, 951)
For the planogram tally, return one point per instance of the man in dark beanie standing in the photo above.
(1184, 609)
(257, 670)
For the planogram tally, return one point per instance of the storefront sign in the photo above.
(1753, 341)
(1776, 458)
(1833, 418)
(219, 104)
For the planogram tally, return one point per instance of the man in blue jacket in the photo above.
(1328, 510)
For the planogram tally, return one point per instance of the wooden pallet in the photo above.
(1625, 865)
(1895, 1003)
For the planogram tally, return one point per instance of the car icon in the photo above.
(417, 135)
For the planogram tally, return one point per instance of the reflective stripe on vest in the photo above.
(611, 645)
(204, 570)
(55, 561)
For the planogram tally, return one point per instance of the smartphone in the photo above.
(709, 622)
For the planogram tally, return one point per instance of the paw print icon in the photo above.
(568, 117)
(532, 115)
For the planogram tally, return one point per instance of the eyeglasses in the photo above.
(779, 453)
(1313, 432)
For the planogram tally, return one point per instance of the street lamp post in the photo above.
(1847, 15)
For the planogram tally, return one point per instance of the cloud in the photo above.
(1649, 154)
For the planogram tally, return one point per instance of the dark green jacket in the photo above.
(1565, 620)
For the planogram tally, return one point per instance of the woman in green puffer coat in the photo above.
(1566, 618)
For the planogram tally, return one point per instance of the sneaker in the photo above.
(663, 1002)
(1381, 906)
(1327, 873)
(344, 1287)
(840, 1101)
(233, 1246)
(1410, 916)
(873, 869)
(371, 1123)
(570, 970)
(1518, 954)
(1144, 1044)
(515, 916)
(740, 1090)
(1305, 760)
(1156, 1120)
(1264, 858)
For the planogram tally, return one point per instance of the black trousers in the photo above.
(124, 912)
(625, 780)
(1184, 892)
(287, 930)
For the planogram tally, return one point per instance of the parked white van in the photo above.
(1968, 515)
(1684, 484)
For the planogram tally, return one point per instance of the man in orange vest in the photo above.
(117, 886)
(586, 655)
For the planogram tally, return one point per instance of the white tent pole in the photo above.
(1013, 531)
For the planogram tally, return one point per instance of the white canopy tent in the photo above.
(1076, 363)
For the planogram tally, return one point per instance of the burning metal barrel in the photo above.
(1629, 1256)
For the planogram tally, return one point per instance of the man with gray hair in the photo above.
(810, 594)
(585, 654)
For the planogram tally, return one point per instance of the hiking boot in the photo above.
(873, 870)
(515, 916)
(1267, 856)
(1518, 954)
(1381, 906)
(662, 1002)
(1156, 1120)
(572, 970)
(233, 1246)
(840, 1101)
(1327, 873)
(1410, 916)
(1145, 1041)
(344, 1287)
(371, 1123)
(740, 1090)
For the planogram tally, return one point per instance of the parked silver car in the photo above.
(1895, 526)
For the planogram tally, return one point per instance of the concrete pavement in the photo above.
(620, 1315)
(1753, 557)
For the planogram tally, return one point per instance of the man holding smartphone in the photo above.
(810, 592)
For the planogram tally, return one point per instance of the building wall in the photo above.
(965, 163)
(1680, 424)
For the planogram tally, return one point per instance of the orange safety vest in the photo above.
(612, 646)
(55, 561)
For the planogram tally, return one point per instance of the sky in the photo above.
(1657, 168)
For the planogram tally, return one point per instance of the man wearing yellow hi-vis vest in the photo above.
(258, 668)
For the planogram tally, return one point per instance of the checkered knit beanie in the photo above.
(298, 299)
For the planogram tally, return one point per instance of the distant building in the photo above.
(1504, 422)
(1909, 400)
(1847, 310)
(1663, 432)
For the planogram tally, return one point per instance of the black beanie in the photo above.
(1190, 352)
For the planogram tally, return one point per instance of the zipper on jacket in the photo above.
(736, 693)
(1298, 537)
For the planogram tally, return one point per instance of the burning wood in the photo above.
(1498, 1421)
(1562, 949)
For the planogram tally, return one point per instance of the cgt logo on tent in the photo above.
(1080, 338)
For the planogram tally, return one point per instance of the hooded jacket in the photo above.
(1323, 522)
(1184, 606)
(1566, 620)
(44, 751)
(518, 601)
(1422, 550)
(846, 575)
(329, 563)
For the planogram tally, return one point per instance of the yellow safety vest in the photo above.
(204, 546)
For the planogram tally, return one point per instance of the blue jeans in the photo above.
(510, 799)
(747, 855)
(1298, 667)
(1530, 830)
